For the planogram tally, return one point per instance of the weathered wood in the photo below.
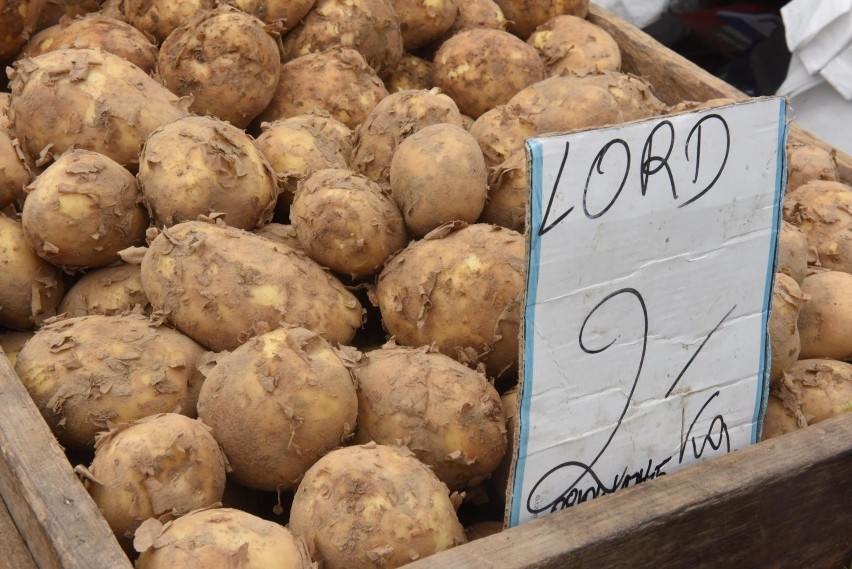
(13, 550)
(52, 511)
(782, 503)
(676, 79)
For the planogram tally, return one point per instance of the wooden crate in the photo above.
(783, 503)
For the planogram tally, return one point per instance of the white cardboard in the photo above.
(698, 275)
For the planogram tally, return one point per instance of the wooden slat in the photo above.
(52, 511)
(786, 502)
(677, 79)
(13, 550)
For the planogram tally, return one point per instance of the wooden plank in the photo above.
(782, 503)
(14, 551)
(52, 511)
(677, 79)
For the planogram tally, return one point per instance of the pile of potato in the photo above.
(270, 254)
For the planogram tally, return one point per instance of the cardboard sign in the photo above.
(652, 257)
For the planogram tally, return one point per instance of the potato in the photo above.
(411, 73)
(823, 386)
(159, 18)
(109, 291)
(12, 342)
(277, 404)
(825, 322)
(18, 20)
(438, 175)
(782, 416)
(89, 372)
(88, 100)
(823, 210)
(373, 507)
(163, 464)
(396, 117)
(807, 163)
(569, 45)
(792, 251)
(348, 91)
(421, 23)
(30, 288)
(14, 172)
(369, 27)
(461, 289)
(279, 233)
(287, 13)
(482, 68)
(6, 124)
(200, 166)
(525, 15)
(482, 529)
(219, 285)
(226, 60)
(96, 32)
(508, 194)
(82, 210)
(54, 10)
(344, 222)
(501, 476)
(478, 14)
(560, 108)
(334, 130)
(502, 131)
(219, 538)
(787, 300)
(446, 413)
(295, 151)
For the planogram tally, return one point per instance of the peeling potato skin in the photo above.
(508, 194)
(525, 15)
(373, 507)
(424, 21)
(159, 18)
(780, 419)
(787, 300)
(823, 211)
(438, 175)
(6, 124)
(572, 45)
(461, 289)
(792, 252)
(344, 222)
(218, 285)
(12, 342)
(110, 291)
(200, 166)
(280, 233)
(14, 173)
(18, 19)
(82, 210)
(394, 119)
(478, 14)
(447, 414)
(226, 60)
(96, 32)
(324, 124)
(163, 464)
(502, 131)
(219, 538)
(277, 404)
(412, 73)
(84, 372)
(482, 68)
(502, 474)
(288, 12)
(825, 321)
(55, 94)
(30, 287)
(809, 163)
(823, 386)
(370, 27)
(350, 89)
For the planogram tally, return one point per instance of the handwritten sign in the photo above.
(652, 257)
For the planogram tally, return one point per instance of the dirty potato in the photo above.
(159, 18)
(18, 20)
(792, 251)
(411, 73)
(787, 300)
(287, 13)
(525, 15)
(422, 22)
(572, 45)
(14, 172)
(12, 342)
(825, 321)
(280, 233)
(109, 291)
(823, 211)
(508, 193)
(502, 131)
(806, 163)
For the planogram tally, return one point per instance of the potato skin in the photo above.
(787, 300)
(280, 233)
(825, 321)
(18, 20)
(349, 89)
(30, 287)
(411, 73)
(159, 18)
(373, 507)
(95, 31)
(286, 12)
(502, 131)
(323, 123)
(14, 173)
(82, 210)
(438, 175)
(823, 386)
(344, 222)
(823, 210)
(478, 14)
(54, 10)
(219, 285)
(461, 289)
(84, 372)
(508, 194)
(446, 413)
(572, 45)
(12, 342)
(89, 100)
(482, 68)
(200, 165)
(422, 22)
(807, 163)
(109, 291)
(163, 464)
(525, 15)
(792, 251)
(210, 538)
